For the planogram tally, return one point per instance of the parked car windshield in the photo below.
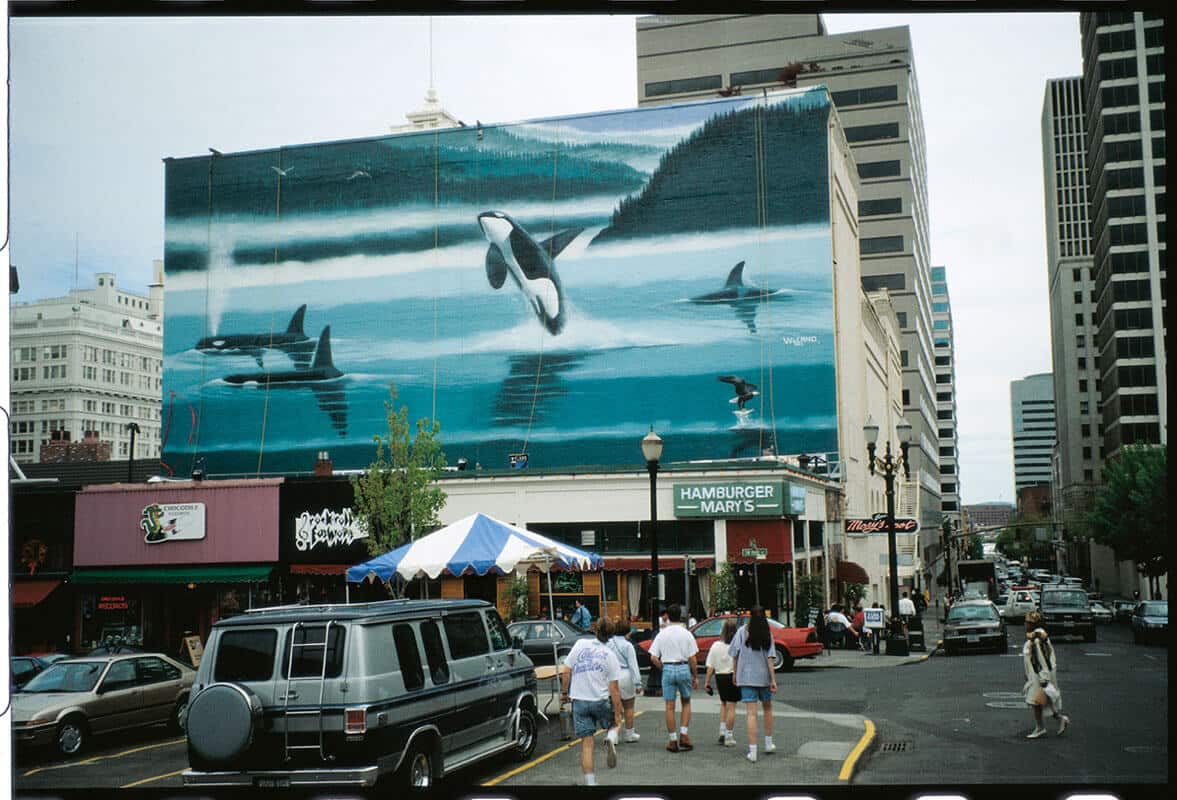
(1149, 610)
(959, 613)
(1065, 598)
(73, 676)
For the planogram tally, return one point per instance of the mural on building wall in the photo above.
(551, 288)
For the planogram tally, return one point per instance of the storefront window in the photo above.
(113, 618)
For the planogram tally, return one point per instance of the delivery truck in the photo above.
(978, 578)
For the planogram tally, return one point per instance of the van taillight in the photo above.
(356, 720)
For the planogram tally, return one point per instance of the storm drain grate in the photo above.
(896, 747)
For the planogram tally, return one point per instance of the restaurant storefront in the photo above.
(157, 562)
(41, 556)
(320, 536)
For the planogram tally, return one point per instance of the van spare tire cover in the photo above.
(221, 722)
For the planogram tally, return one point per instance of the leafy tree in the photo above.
(520, 593)
(397, 496)
(976, 549)
(1132, 509)
(724, 597)
(854, 592)
(809, 596)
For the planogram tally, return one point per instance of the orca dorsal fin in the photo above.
(322, 360)
(295, 325)
(555, 245)
(736, 276)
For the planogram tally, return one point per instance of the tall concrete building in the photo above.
(86, 365)
(945, 363)
(871, 78)
(1032, 407)
(1124, 82)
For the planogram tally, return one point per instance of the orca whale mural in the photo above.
(745, 300)
(292, 341)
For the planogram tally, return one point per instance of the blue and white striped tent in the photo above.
(476, 544)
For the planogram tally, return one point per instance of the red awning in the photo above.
(318, 569)
(26, 594)
(850, 572)
(640, 563)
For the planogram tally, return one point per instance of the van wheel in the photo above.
(418, 767)
(71, 736)
(526, 736)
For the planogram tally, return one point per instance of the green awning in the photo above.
(196, 573)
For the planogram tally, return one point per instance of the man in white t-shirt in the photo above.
(906, 606)
(674, 651)
(589, 679)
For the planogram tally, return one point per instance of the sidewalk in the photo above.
(853, 658)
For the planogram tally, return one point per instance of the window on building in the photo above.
(879, 169)
(1085, 429)
(902, 317)
(684, 85)
(1079, 319)
(816, 531)
(1076, 275)
(880, 244)
(906, 395)
(895, 282)
(1084, 407)
(945, 433)
(875, 208)
(943, 397)
(903, 358)
(871, 94)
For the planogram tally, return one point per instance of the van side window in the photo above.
(246, 655)
(308, 660)
(466, 635)
(439, 667)
(499, 638)
(409, 656)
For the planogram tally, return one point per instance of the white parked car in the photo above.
(1101, 612)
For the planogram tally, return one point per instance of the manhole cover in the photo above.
(1007, 704)
(1001, 695)
(1144, 748)
(896, 747)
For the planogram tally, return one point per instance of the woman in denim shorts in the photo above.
(752, 651)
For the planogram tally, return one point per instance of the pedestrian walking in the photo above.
(589, 679)
(674, 652)
(906, 606)
(581, 616)
(720, 668)
(752, 655)
(1041, 687)
(630, 683)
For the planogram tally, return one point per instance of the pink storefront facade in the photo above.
(158, 562)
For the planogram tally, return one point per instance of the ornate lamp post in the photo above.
(652, 452)
(888, 466)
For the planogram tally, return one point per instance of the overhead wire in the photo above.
(273, 312)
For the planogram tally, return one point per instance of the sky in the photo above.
(96, 104)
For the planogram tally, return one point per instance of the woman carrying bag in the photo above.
(1041, 687)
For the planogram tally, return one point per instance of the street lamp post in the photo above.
(889, 465)
(133, 427)
(652, 452)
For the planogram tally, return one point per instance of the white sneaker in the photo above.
(611, 735)
(729, 741)
(1062, 726)
(770, 748)
(610, 751)
(632, 736)
(1036, 733)
(751, 757)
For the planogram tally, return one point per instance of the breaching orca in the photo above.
(292, 341)
(741, 297)
(513, 251)
(321, 369)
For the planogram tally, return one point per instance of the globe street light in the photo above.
(652, 452)
(888, 466)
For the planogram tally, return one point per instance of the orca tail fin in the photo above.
(295, 325)
(736, 276)
(323, 362)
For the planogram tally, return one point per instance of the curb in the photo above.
(850, 765)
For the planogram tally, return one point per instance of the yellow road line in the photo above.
(96, 759)
(149, 780)
(536, 762)
(852, 759)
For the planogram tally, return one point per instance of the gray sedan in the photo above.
(77, 698)
(539, 635)
(974, 624)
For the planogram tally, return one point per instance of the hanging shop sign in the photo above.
(172, 522)
(731, 499)
(796, 499)
(328, 530)
(878, 524)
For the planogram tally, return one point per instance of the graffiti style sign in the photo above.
(331, 529)
(878, 524)
(172, 522)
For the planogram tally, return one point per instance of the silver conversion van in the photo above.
(345, 695)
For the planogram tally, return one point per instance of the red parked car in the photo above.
(791, 643)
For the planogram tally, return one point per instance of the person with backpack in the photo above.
(582, 618)
(752, 651)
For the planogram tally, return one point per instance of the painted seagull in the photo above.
(359, 173)
(744, 391)
(514, 252)
(743, 298)
(292, 341)
(283, 172)
(321, 369)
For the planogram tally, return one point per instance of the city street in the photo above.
(936, 721)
